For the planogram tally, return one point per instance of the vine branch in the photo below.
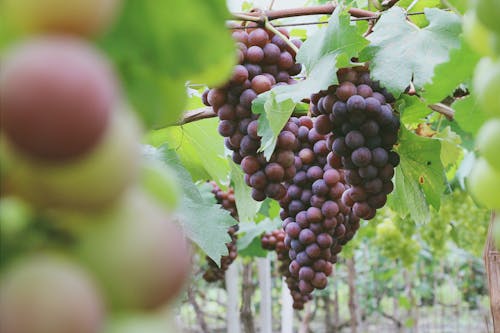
(288, 42)
(259, 15)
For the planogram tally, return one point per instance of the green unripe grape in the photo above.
(158, 179)
(488, 11)
(475, 33)
(484, 184)
(488, 142)
(487, 86)
(49, 294)
(89, 183)
(81, 17)
(136, 252)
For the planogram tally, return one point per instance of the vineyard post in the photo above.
(286, 308)
(264, 268)
(233, 313)
(247, 291)
(492, 263)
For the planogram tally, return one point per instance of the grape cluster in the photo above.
(226, 199)
(265, 60)
(275, 241)
(315, 219)
(358, 113)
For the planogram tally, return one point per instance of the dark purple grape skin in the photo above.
(355, 103)
(372, 105)
(315, 172)
(368, 172)
(380, 157)
(370, 128)
(361, 157)
(339, 109)
(323, 124)
(226, 128)
(345, 91)
(319, 187)
(271, 53)
(394, 158)
(306, 273)
(339, 146)
(258, 180)
(354, 139)
(314, 215)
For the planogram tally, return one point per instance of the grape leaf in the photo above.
(157, 46)
(459, 5)
(400, 52)
(246, 206)
(418, 6)
(248, 231)
(199, 147)
(420, 177)
(451, 152)
(321, 54)
(449, 75)
(412, 109)
(468, 114)
(204, 223)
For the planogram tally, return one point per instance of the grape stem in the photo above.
(295, 24)
(300, 11)
(288, 42)
(208, 112)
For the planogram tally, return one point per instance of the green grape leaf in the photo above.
(253, 250)
(401, 53)
(413, 110)
(246, 206)
(248, 231)
(273, 117)
(449, 75)
(321, 54)
(204, 223)
(418, 6)
(468, 114)
(157, 46)
(451, 152)
(270, 209)
(199, 147)
(459, 5)
(419, 179)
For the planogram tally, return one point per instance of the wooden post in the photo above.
(264, 268)
(492, 262)
(247, 291)
(233, 299)
(353, 302)
(286, 309)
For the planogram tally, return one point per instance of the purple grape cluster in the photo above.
(265, 60)
(357, 112)
(226, 200)
(315, 219)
